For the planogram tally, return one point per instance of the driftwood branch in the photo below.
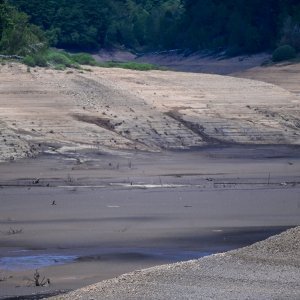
(11, 56)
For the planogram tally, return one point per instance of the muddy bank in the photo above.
(106, 232)
(269, 269)
(83, 218)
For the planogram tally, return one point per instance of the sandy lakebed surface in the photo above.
(108, 171)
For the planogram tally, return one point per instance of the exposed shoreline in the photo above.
(111, 110)
(104, 222)
(147, 161)
(266, 270)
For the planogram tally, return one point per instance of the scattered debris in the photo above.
(13, 231)
(36, 181)
(37, 281)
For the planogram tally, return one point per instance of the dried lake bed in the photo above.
(110, 171)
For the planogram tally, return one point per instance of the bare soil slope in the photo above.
(98, 195)
(114, 109)
(285, 75)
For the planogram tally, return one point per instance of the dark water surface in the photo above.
(220, 241)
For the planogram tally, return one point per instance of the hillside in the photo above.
(237, 26)
(113, 109)
(127, 161)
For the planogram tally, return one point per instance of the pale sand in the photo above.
(114, 109)
(265, 270)
(285, 75)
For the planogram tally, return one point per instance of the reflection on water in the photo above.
(33, 261)
(30, 262)
(134, 254)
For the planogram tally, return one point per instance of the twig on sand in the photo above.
(37, 281)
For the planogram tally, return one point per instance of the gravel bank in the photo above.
(266, 270)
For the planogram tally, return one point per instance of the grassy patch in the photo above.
(284, 52)
(292, 61)
(129, 65)
(84, 59)
(60, 60)
(37, 60)
(56, 58)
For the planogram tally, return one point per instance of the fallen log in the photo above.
(11, 56)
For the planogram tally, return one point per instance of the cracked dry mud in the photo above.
(114, 109)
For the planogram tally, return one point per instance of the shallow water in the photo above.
(28, 262)
(31, 262)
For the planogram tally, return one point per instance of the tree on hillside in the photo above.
(18, 36)
(91, 24)
(237, 26)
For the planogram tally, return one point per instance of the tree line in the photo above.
(94, 24)
(17, 35)
(239, 25)
(235, 26)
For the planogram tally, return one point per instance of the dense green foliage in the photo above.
(92, 24)
(237, 26)
(129, 65)
(283, 53)
(20, 38)
(36, 59)
(60, 60)
(17, 35)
